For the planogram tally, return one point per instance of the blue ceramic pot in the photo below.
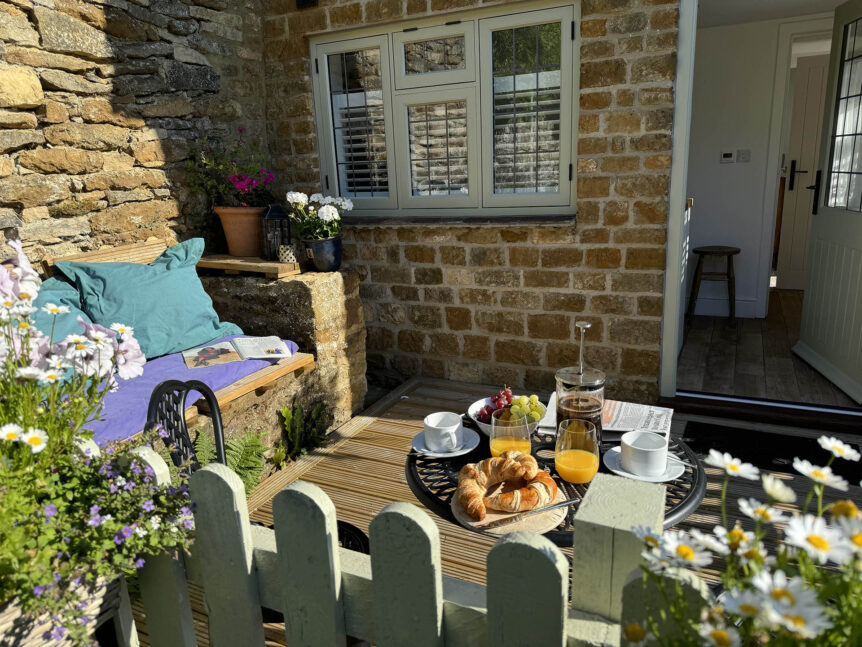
(325, 254)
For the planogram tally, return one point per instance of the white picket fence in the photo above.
(397, 596)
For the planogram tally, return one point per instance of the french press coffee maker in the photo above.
(581, 390)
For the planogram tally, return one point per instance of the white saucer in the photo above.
(470, 440)
(613, 461)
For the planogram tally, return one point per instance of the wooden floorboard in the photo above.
(754, 358)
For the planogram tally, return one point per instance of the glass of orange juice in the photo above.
(509, 431)
(577, 453)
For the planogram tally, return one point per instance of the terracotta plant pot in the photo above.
(241, 229)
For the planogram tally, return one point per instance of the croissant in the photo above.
(538, 492)
(474, 479)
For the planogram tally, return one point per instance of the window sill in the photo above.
(526, 220)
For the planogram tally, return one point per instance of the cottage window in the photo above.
(460, 118)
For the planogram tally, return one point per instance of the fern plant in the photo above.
(302, 433)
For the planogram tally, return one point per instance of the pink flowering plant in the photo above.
(807, 591)
(317, 217)
(231, 172)
(72, 515)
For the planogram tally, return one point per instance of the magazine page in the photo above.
(261, 347)
(220, 353)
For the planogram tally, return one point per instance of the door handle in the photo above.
(816, 188)
(791, 184)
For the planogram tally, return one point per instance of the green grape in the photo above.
(535, 416)
(524, 401)
(516, 410)
(534, 399)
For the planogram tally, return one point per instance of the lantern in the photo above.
(276, 233)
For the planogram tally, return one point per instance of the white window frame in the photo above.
(404, 81)
(402, 148)
(481, 204)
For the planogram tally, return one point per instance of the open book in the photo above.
(236, 349)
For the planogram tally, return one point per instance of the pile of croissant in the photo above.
(475, 479)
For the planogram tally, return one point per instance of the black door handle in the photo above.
(816, 188)
(792, 181)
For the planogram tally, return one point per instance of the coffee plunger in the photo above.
(581, 390)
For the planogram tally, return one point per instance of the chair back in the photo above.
(167, 409)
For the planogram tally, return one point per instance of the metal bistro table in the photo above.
(434, 481)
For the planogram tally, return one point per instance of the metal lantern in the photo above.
(276, 231)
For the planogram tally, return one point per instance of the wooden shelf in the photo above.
(237, 264)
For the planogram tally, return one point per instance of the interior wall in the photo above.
(734, 80)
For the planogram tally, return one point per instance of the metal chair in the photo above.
(168, 408)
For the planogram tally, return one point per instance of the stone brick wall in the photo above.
(98, 103)
(498, 303)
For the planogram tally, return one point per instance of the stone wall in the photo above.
(498, 303)
(99, 101)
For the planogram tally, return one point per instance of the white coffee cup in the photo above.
(443, 431)
(644, 453)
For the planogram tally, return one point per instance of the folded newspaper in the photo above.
(237, 349)
(618, 418)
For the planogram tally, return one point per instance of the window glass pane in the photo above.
(845, 171)
(436, 55)
(437, 137)
(356, 97)
(526, 109)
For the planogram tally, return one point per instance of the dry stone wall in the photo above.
(498, 303)
(99, 102)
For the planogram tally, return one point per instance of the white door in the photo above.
(831, 334)
(806, 126)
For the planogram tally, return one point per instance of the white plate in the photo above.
(470, 440)
(478, 405)
(613, 461)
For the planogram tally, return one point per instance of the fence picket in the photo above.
(225, 551)
(309, 567)
(527, 592)
(646, 598)
(406, 578)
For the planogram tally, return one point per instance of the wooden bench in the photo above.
(146, 252)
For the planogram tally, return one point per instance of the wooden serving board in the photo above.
(538, 523)
(237, 264)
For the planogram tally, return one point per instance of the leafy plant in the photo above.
(302, 433)
(317, 217)
(244, 455)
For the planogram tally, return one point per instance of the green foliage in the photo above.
(317, 217)
(205, 450)
(302, 433)
(244, 455)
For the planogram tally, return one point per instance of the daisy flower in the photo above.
(57, 363)
(838, 448)
(821, 542)
(28, 373)
(733, 466)
(777, 490)
(716, 636)
(122, 329)
(679, 549)
(760, 511)
(783, 592)
(54, 309)
(35, 439)
(851, 527)
(709, 542)
(11, 432)
(821, 475)
(748, 603)
(736, 539)
(805, 621)
(647, 536)
(844, 508)
(755, 554)
(634, 634)
(50, 376)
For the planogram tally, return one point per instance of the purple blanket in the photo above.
(125, 411)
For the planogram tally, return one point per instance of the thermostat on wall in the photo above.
(728, 157)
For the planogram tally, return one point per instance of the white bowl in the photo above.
(478, 405)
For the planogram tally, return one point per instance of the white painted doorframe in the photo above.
(677, 224)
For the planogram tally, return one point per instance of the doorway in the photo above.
(754, 149)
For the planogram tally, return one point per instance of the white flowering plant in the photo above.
(71, 514)
(806, 592)
(317, 217)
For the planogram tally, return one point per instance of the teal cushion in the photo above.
(164, 301)
(60, 293)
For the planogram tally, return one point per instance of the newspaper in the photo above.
(617, 418)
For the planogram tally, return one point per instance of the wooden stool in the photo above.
(699, 275)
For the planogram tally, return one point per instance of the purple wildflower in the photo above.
(50, 511)
(113, 489)
(118, 539)
(148, 505)
(189, 524)
(186, 510)
(129, 485)
(38, 590)
(94, 509)
(127, 531)
(57, 577)
(59, 633)
(94, 521)
(139, 563)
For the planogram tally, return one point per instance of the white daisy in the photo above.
(28, 373)
(155, 523)
(79, 349)
(822, 475)
(50, 376)
(844, 508)
(634, 634)
(100, 339)
(777, 490)
(755, 553)
(54, 309)
(851, 527)
(647, 536)
(140, 531)
(733, 466)
(680, 549)
(709, 542)
(11, 432)
(805, 621)
(838, 448)
(736, 539)
(821, 542)
(24, 327)
(122, 329)
(760, 511)
(717, 636)
(748, 604)
(35, 439)
(57, 363)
